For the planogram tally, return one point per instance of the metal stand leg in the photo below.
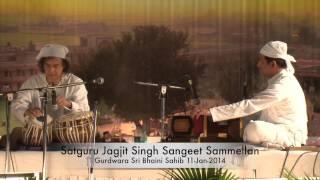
(8, 98)
(163, 112)
(93, 140)
(44, 101)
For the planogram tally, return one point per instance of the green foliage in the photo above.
(291, 176)
(148, 53)
(198, 174)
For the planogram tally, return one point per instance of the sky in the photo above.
(149, 11)
(180, 14)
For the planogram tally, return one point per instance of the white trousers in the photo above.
(265, 133)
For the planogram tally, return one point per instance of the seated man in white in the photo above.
(283, 121)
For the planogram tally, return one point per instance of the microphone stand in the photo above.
(44, 102)
(163, 94)
(93, 140)
(8, 98)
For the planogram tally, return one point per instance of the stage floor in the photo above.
(268, 164)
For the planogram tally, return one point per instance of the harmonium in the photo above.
(184, 128)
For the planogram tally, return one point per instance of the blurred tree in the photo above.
(306, 32)
(148, 53)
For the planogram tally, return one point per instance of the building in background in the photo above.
(17, 64)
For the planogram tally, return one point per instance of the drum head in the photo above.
(75, 116)
(38, 121)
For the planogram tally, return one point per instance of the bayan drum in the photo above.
(33, 132)
(76, 127)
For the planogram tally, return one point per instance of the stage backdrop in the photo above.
(214, 42)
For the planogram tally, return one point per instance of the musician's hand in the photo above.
(35, 112)
(198, 111)
(63, 102)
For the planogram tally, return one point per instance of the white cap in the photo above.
(277, 49)
(53, 50)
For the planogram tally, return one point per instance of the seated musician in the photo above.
(54, 65)
(283, 122)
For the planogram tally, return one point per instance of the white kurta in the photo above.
(282, 103)
(30, 99)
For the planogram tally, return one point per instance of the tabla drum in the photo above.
(76, 127)
(33, 131)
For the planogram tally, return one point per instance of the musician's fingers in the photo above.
(198, 115)
(179, 113)
(36, 112)
(60, 100)
(207, 112)
(27, 113)
(63, 102)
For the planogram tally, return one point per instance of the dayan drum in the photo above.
(33, 132)
(76, 127)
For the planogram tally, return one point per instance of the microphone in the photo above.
(194, 96)
(54, 99)
(99, 81)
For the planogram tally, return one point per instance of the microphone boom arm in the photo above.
(157, 85)
(163, 92)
